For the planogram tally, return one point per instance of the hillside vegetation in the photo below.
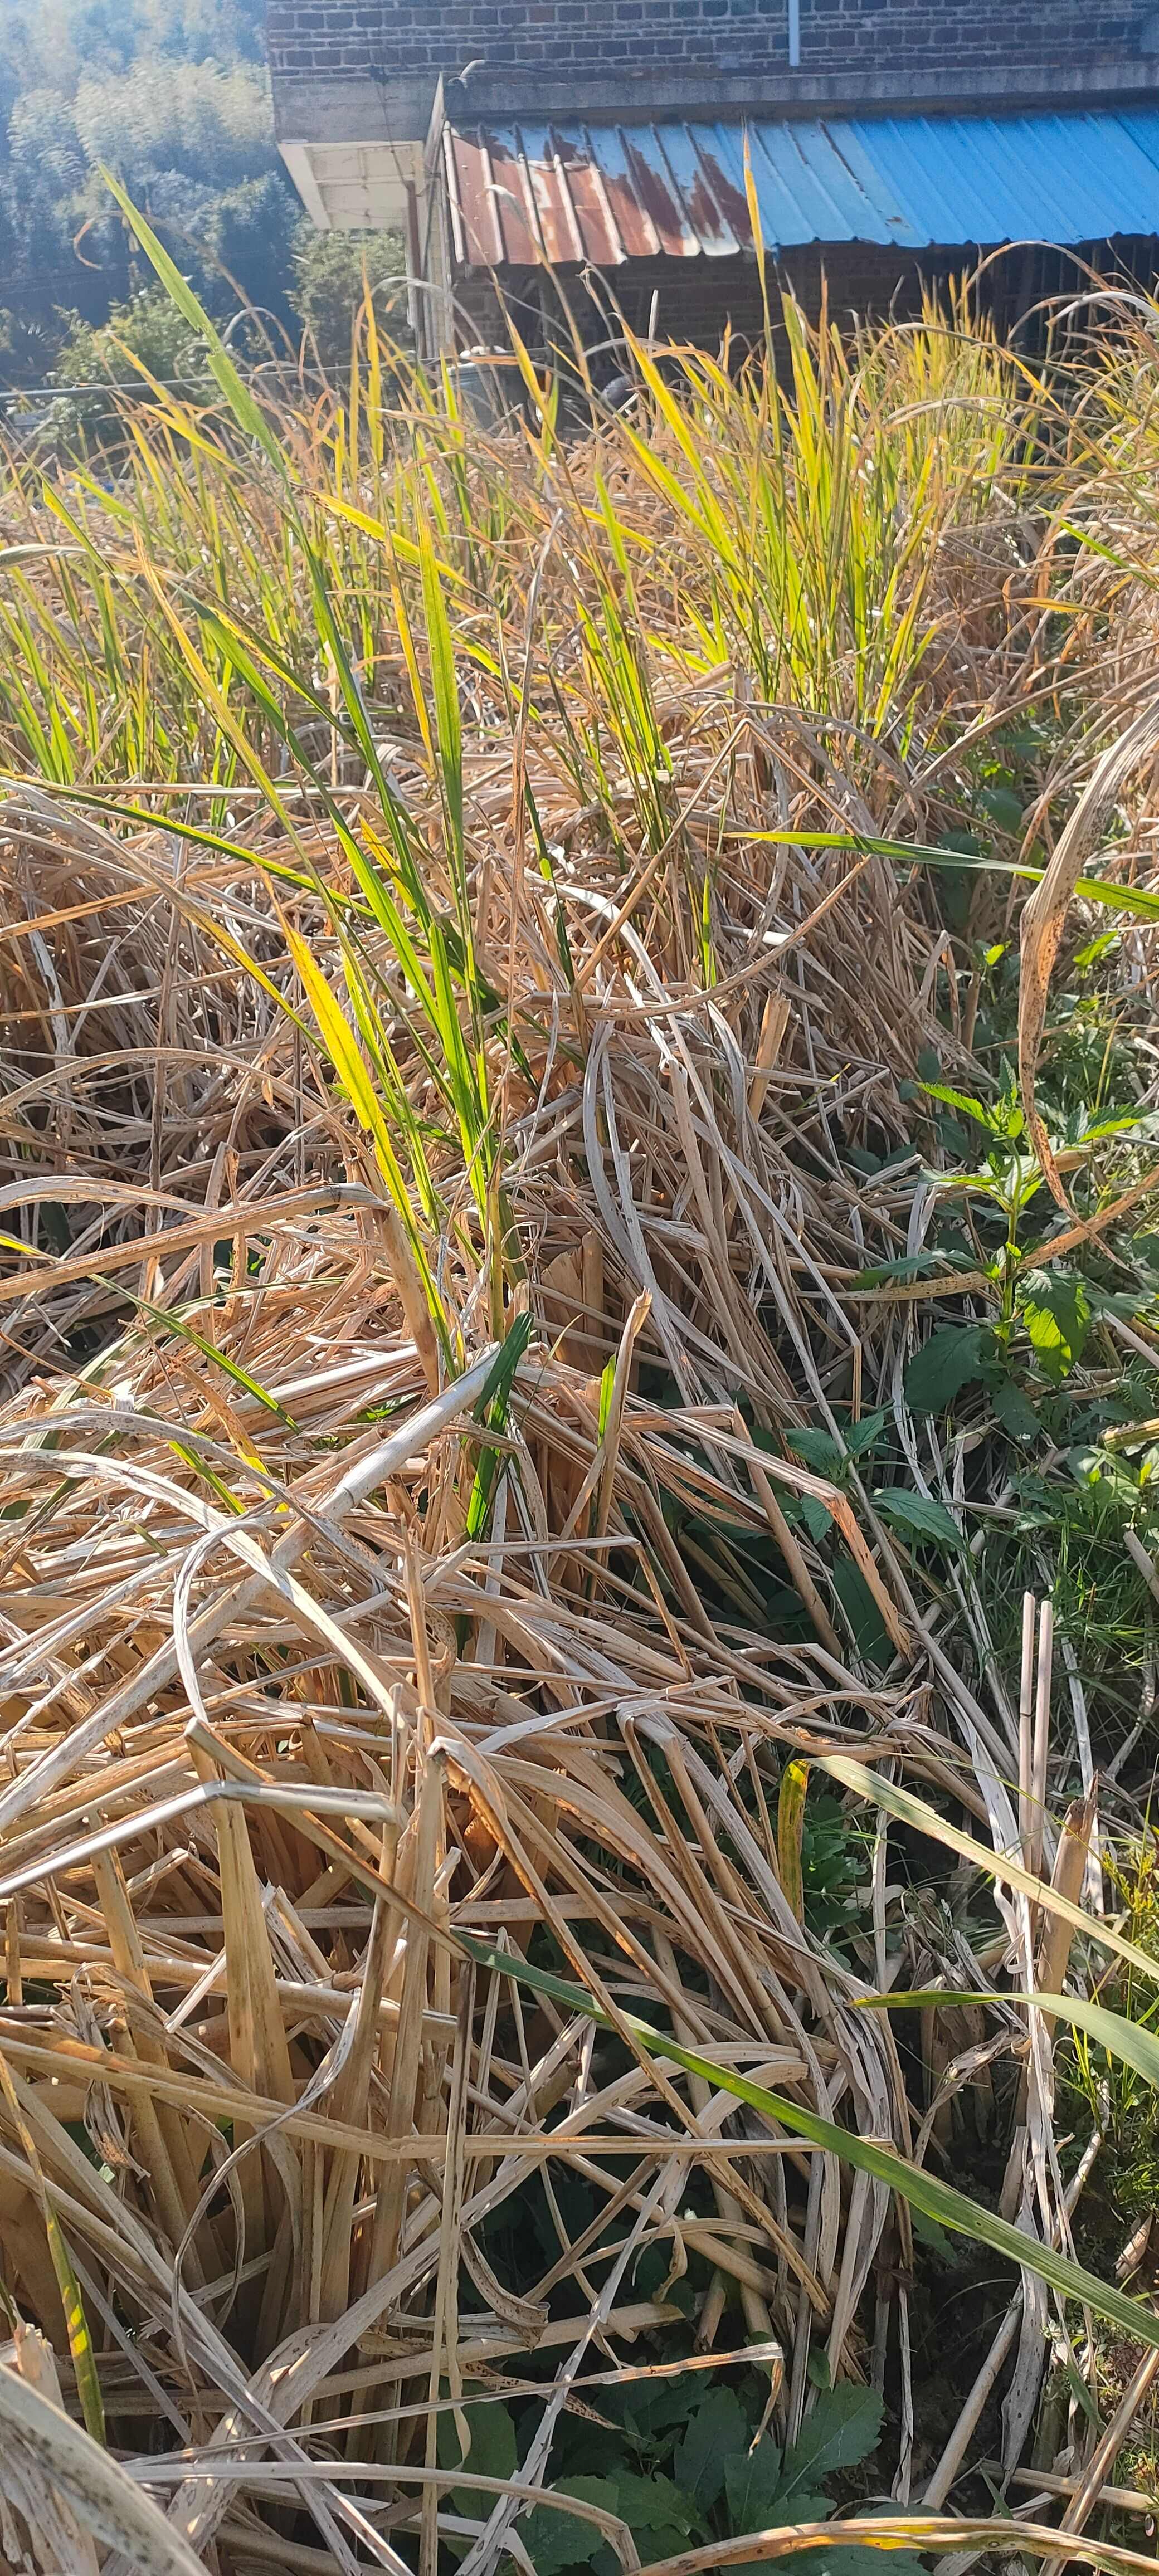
(577, 1507)
(173, 96)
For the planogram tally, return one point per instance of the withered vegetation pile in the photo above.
(468, 1222)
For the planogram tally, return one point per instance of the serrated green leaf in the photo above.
(653, 2508)
(805, 1510)
(963, 1100)
(860, 1436)
(651, 2504)
(929, 2233)
(861, 1610)
(954, 1355)
(751, 2482)
(819, 1450)
(717, 2431)
(492, 2452)
(841, 2431)
(1003, 808)
(920, 1513)
(1055, 1310)
(555, 2541)
(1015, 1410)
(651, 2405)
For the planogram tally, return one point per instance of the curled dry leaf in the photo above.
(1045, 913)
(100, 2492)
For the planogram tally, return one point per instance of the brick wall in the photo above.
(924, 42)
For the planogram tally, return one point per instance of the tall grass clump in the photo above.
(576, 1550)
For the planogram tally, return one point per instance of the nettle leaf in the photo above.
(652, 2504)
(492, 2453)
(844, 2427)
(1113, 1301)
(555, 2541)
(654, 2509)
(1101, 1468)
(819, 1450)
(1015, 1410)
(943, 2246)
(962, 1100)
(953, 1356)
(751, 2485)
(920, 1514)
(1090, 954)
(1056, 1312)
(718, 2429)
(857, 2555)
(860, 1436)
(1127, 1123)
(807, 1512)
(1003, 807)
(869, 1629)
(650, 2405)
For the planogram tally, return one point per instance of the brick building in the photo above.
(606, 138)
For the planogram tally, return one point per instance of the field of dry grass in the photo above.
(580, 1338)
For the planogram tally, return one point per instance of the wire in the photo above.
(62, 393)
(138, 385)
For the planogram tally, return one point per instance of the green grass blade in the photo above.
(80, 2342)
(1131, 2041)
(247, 413)
(171, 1322)
(1137, 900)
(925, 1819)
(444, 686)
(492, 1408)
(923, 2191)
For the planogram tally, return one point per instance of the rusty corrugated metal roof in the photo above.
(527, 195)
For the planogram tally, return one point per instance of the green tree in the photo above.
(149, 328)
(173, 95)
(331, 274)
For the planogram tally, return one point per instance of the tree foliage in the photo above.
(174, 96)
(332, 274)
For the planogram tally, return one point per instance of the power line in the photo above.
(59, 393)
(134, 385)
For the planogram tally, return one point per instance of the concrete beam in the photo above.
(358, 110)
(398, 109)
(632, 93)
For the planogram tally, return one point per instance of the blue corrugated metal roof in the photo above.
(523, 194)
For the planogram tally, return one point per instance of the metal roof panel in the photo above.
(530, 195)
(657, 189)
